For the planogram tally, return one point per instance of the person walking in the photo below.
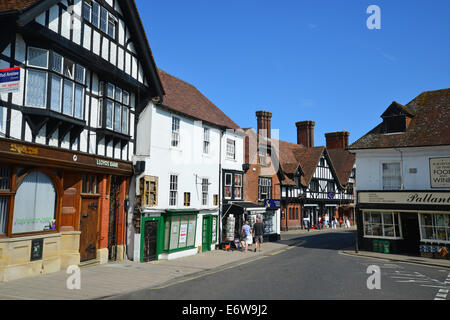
(247, 235)
(306, 222)
(258, 229)
(340, 222)
(333, 223)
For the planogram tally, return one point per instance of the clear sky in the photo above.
(303, 60)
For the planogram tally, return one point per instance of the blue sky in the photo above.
(303, 60)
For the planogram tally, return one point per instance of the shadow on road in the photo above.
(327, 240)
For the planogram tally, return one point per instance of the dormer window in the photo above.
(396, 118)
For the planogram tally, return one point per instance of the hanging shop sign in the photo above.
(440, 172)
(405, 197)
(9, 80)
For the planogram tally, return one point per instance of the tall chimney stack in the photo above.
(264, 122)
(305, 133)
(337, 140)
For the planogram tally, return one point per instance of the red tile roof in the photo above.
(342, 161)
(185, 98)
(430, 125)
(15, 5)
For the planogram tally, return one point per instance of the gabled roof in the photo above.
(188, 100)
(342, 161)
(309, 160)
(396, 109)
(430, 125)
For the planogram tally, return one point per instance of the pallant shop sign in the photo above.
(405, 197)
(440, 172)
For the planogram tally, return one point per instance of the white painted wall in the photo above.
(369, 166)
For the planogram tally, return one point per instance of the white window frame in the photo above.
(206, 140)
(264, 184)
(231, 149)
(173, 190)
(422, 239)
(382, 212)
(205, 191)
(175, 138)
(382, 174)
(35, 66)
(27, 103)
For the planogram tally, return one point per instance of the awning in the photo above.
(240, 207)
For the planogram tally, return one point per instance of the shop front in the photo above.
(235, 215)
(174, 234)
(415, 223)
(56, 209)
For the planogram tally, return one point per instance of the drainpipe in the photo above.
(220, 189)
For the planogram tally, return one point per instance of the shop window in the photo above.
(391, 176)
(89, 184)
(149, 191)
(435, 227)
(179, 232)
(187, 199)
(296, 213)
(382, 225)
(34, 205)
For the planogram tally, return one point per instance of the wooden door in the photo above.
(207, 233)
(88, 228)
(150, 240)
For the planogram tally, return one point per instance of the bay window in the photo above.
(59, 88)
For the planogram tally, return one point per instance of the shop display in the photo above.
(230, 228)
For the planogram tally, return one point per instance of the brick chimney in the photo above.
(337, 140)
(264, 120)
(305, 133)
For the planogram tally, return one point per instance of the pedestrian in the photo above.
(247, 235)
(258, 229)
(320, 223)
(340, 222)
(347, 223)
(306, 222)
(333, 223)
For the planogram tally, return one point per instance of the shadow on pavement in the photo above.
(326, 240)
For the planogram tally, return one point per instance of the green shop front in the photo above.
(175, 234)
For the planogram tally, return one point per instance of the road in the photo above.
(311, 268)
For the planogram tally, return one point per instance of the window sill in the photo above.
(26, 237)
(383, 238)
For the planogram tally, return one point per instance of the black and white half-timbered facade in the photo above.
(75, 75)
(319, 184)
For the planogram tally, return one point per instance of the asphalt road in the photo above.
(312, 268)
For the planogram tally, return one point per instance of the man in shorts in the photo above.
(258, 229)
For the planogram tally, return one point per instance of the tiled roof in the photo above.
(15, 5)
(185, 98)
(430, 125)
(342, 161)
(308, 159)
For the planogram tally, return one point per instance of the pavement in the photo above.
(103, 281)
(119, 278)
